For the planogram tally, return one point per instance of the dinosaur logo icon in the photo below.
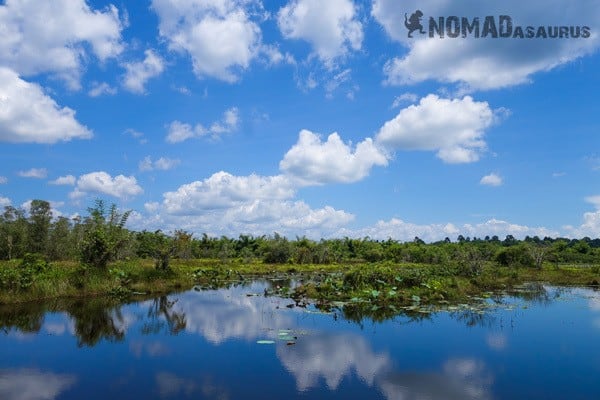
(414, 23)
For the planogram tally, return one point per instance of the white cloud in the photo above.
(404, 98)
(3, 180)
(492, 180)
(339, 79)
(331, 27)
(223, 190)
(53, 36)
(312, 161)
(590, 226)
(68, 180)
(274, 56)
(162, 164)
(122, 187)
(136, 135)
(28, 115)
(595, 200)
(485, 63)
(454, 128)
(4, 201)
(230, 205)
(256, 217)
(37, 173)
(100, 89)
(228, 124)
(138, 73)
(179, 131)
(219, 35)
(405, 231)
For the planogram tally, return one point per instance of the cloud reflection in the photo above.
(460, 379)
(331, 356)
(31, 384)
(231, 314)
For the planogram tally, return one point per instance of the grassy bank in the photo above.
(372, 285)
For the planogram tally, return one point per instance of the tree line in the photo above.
(102, 237)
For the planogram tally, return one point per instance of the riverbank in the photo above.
(376, 285)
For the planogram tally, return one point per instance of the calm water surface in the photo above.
(204, 345)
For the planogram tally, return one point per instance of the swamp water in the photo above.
(237, 343)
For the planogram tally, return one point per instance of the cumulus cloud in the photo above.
(3, 180)
(398, 229)
(454, 128)
(54, 36)
(4, 201)
(479, 63)
(223, 190)
(313, 162)
(590, 226)
(28, 115)
(68, 180)
(492, 180)
(230, 205)
(162, 164)
(37, 173)
(331, 27)
(179, 131)
(138, 73)
(121, 187)
(219, 36)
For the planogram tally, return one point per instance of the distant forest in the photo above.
(101, 237)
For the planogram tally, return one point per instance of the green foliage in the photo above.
(40, 215)
(104, 235)
(277, 250)
(515, 256)
(19, 277)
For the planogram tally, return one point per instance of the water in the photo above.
(203, 345)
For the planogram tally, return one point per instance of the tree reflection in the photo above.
(161, 314)
(24, 318)
(95, 320)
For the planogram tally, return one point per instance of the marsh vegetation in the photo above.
(45, 257)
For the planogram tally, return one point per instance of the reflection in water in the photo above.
(161, 314)
(31, 384)
(152, 349)
(594, 304)
(94, 321)
(25, 318)
(460, 379)
(497, 341)
(172, 386)
(433, 356)
(169, 385)
(331, 356)
(233, 314)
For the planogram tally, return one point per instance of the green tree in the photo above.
(13, 233)
(40, 215)
(104, 235)
(60, 245)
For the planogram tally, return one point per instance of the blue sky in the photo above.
(303, 117)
